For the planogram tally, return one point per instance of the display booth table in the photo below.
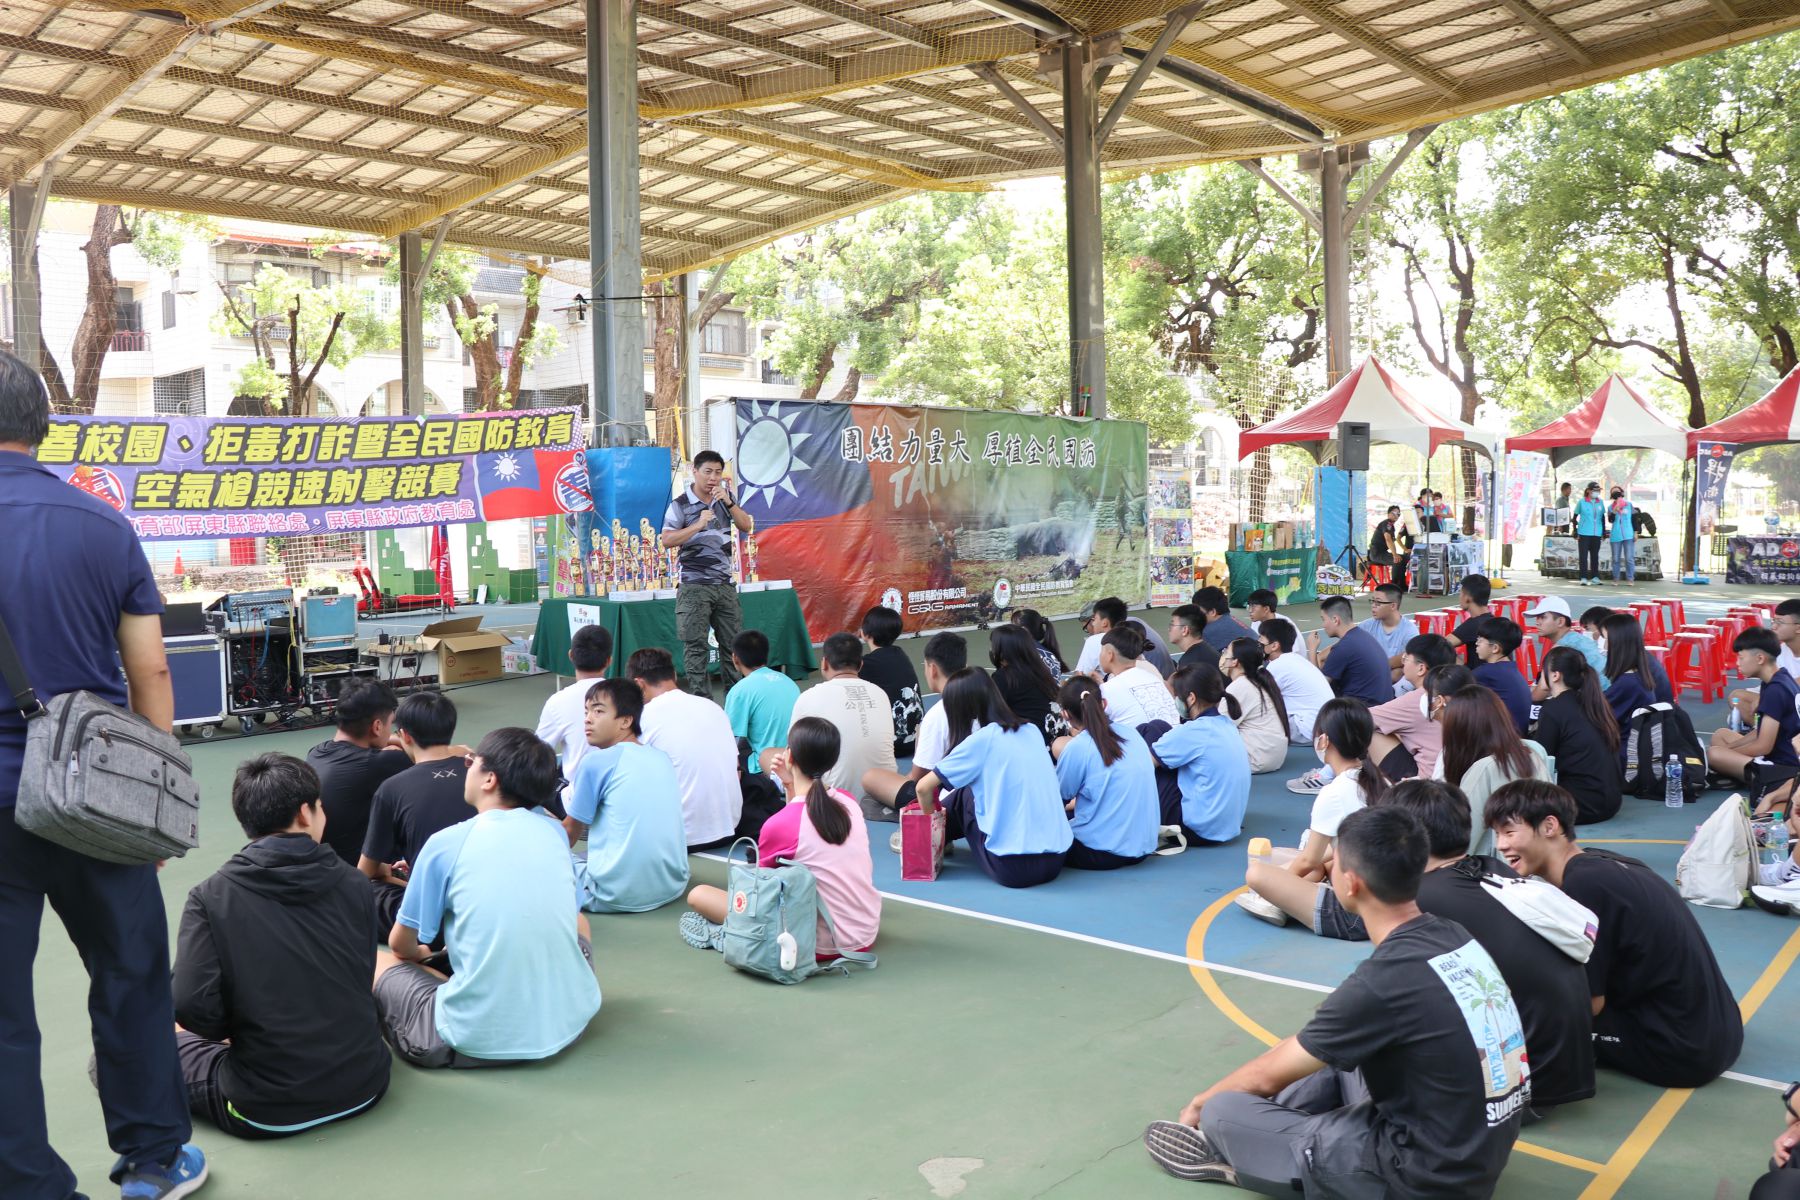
(1437, 568)
(1765, 561)
(1291, 574)
(651, 622)
(1561, 557)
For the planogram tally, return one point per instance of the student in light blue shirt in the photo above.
(501, 889)
(1109, 779)
(760, 705)
(1556, 625)
(1004, 799)
(1208, 755)
(627, 802)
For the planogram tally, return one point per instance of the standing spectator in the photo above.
(563, 722)
(1261, 714)
(1483, 752)
(1565, 508)
(1388, 626)
(702, 523)
(1186, 624)
(1407, 741)
(1024, 682)
(1555, 626)
(1044, 634)
(1099, 617)
(1473, 595)
(1495, 648)
(91, 606)
(1576, 727)
(411, 806)
(1358, 664)
(1590, 528)
(1261, 607)
(277, 948)
(859, 710)
(1409, 1081)
(1623, 535)
(627, 805)
(695, 734)
(360, 758)
(1221, 627)
(1550, 988)
(1303, 689)
(886, 666)
(1662, 1009)
(945, 654)
(1135, 694)
(760, 705)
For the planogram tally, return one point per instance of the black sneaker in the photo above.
(1184, 1152)
(875, 810)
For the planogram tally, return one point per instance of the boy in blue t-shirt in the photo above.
(760, 705)
(1777, 710)
(627, 802)
(501, 889)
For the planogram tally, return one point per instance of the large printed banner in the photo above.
(1524, 480)
(948, 515)
(1762, 561)
(1713, 462)
(1171, 538)
(189, 477)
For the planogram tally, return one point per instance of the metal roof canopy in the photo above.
(757, 117)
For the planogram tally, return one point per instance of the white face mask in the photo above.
(1601, 643)
(1425, 704)
(1319, 745)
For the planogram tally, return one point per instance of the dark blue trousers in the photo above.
(114, 915)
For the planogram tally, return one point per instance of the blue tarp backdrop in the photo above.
(1341, 512)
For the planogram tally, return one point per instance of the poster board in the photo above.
(1172, 524)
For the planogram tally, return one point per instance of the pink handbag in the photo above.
(921, 842)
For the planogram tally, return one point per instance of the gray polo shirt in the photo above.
(705, 557)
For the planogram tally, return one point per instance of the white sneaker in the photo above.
(894, 842)
(1309, 784)
(1783, 900)
(1262, 910)
(1170, 840)
(1777, 873)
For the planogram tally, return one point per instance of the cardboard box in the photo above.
(465, 652)
(1284, 535)
(1209, 572)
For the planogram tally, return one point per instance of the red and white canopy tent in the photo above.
(1615, 417)
(1770, 421)
(1369, 393)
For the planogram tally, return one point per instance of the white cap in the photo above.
(1551, 604)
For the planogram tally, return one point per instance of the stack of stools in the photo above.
(1511, 608)
(1440, 621)
(1693, 661)
(1650, 615)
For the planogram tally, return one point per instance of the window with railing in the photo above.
(727, 333)
(180, 395)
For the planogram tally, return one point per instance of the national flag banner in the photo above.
(205, 477)
(950, 516)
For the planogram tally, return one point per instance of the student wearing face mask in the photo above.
(1623, 536)
(1590, 528)
(1207, 754)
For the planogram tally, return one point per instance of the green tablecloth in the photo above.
(1293, 574)
(639, 623)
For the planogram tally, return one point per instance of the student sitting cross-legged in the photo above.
(1109, 779)
(1409, 1081)
(1298, 885)
(411, 806)
(1003, 796)
(1662, 1009)
(501, 889)
(277, 1030)
(626, 801)
(821, 828)
(1208, 757)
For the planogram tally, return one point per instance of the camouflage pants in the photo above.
(700, 607)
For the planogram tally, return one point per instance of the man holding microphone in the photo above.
(701, 523)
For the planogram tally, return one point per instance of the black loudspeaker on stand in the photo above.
(1353, 456)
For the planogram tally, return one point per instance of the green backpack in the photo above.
(772, 921)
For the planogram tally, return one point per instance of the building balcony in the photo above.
(130, 340)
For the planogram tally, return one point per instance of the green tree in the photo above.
(450, 285)
(296, 329)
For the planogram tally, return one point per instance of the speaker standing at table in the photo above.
(699, 525)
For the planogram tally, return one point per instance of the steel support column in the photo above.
(1334, 176)
(1081, 202)
(412, 323)
(615, 250)
(693, 419)
(26, 211)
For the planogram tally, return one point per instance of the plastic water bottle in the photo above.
(1672, 792)
(1735, 722)
(1778, 842)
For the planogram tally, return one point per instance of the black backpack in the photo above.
(1652, 734)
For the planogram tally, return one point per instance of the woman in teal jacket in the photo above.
(1590, 528)
(1624, 537)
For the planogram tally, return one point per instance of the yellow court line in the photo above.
(1196, 953)
(1626, 1159)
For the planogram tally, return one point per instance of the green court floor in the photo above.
(982, 1059)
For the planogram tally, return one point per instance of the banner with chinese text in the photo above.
(1171, 537)
(202, 477)
(1763, 561)
(1712, 461)
(1524, 482)
(950, 516)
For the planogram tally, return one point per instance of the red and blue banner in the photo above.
(203, 477)
(949, 516)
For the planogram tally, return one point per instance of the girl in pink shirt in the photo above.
(821, 829)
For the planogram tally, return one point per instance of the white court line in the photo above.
(1758, 1080)
(1091, 940)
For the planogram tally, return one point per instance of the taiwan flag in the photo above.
(528, 483)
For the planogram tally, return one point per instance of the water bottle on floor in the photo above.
(1672, 793)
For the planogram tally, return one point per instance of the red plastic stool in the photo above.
(1674, 613)
(1509, 608)
(1530, 657)
(1691, 663)
(1438, 622)
(1650, 615)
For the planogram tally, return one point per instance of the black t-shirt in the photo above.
(1653, 964)
(888, 668)
(1429, 1021)
(1199, 652)
(1381, 545)
(413, 805)
(348, 777)
(1038, 710)
(1585, 768)
(1549, 987)
(1465, 635)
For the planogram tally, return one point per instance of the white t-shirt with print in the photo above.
(1138, 695)
(865, 723)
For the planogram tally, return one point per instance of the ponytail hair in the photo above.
(813, 747)
(1203, 682)
(1081, 703)
(1348, 726)
(1580, 679)
(1248, 653)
